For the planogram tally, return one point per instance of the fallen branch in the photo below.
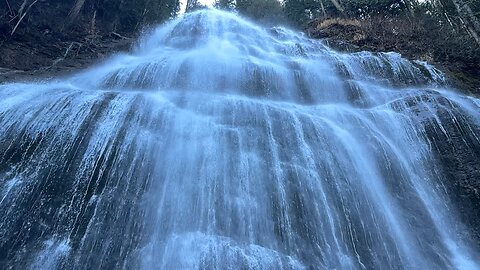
(115, 34)
(23, 16)
(76, 9)
(12, 19)
(9, 7)
(70, 48)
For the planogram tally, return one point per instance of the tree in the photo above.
(191, 5)
(122, 15)
(366, 8)
(85, 15)
(299, 12)
(465, 14)
(263, 10)
(225, 4)
(468, 17)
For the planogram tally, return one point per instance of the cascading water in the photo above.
(217, 144)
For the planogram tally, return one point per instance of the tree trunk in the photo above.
(322, 6)
(468, 19)
(76, 8)
(22, 16)
(191, 4)
(337, 5)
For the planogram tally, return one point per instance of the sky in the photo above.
(207, 2)
(183, 4)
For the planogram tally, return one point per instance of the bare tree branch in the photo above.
(9, 7)
(337, 5)
(76, 8)
(23, 15)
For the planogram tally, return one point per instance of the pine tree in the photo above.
(468, 17)
(225, 4)
(267, 10)
(192, 4)
(300, 12)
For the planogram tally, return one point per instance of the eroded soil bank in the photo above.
(409, 38)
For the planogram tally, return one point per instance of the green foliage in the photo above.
(87, 16)
(127, 15)
(299, 12)
(225, 4)
(260, 9)
(365, 8)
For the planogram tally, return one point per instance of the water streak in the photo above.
(217, 144)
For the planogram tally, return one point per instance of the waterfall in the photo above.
(219, 144)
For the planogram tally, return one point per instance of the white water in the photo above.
(217, 144)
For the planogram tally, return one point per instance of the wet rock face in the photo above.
(63, 201)
(457, 149)
(454, 138)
